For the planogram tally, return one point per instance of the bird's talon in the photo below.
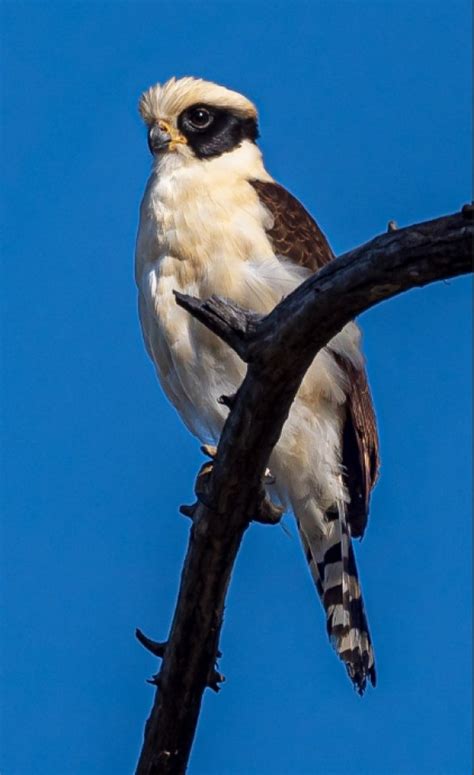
(210, 450)
(268, 513)
(201, 485)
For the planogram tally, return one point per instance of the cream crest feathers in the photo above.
(168, 100)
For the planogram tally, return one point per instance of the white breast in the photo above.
(202, 232)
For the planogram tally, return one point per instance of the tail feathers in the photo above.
(332, 563)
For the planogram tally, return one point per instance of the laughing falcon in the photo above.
(213, 221)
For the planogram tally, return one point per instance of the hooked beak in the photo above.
(164, 137)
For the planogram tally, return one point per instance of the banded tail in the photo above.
(330, 555)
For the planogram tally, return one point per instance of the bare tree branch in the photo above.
(279, 349)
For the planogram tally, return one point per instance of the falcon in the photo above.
(214, 221)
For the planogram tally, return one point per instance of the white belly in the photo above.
(194, 366)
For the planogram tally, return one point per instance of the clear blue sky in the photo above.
(365, 117)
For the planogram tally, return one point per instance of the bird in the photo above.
(214, 221)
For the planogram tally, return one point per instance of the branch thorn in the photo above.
(154, 680)
(188, 511)
(215, 678)
(156, 648)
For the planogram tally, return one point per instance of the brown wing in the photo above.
(296, 236)
(294, 233)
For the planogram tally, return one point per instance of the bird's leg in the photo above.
(267, 513)
(201, 485)
(202, 481)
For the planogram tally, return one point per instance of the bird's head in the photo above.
(196, 118)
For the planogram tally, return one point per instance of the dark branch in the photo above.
(279, 348)
(234, 324)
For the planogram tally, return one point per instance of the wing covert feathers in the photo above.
(294, 234)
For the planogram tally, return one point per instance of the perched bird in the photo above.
(213, 221)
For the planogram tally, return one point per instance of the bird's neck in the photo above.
(242, 163)
(203, 218)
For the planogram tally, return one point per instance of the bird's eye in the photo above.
(200, 118)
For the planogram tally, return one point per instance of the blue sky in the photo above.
(365, 117)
